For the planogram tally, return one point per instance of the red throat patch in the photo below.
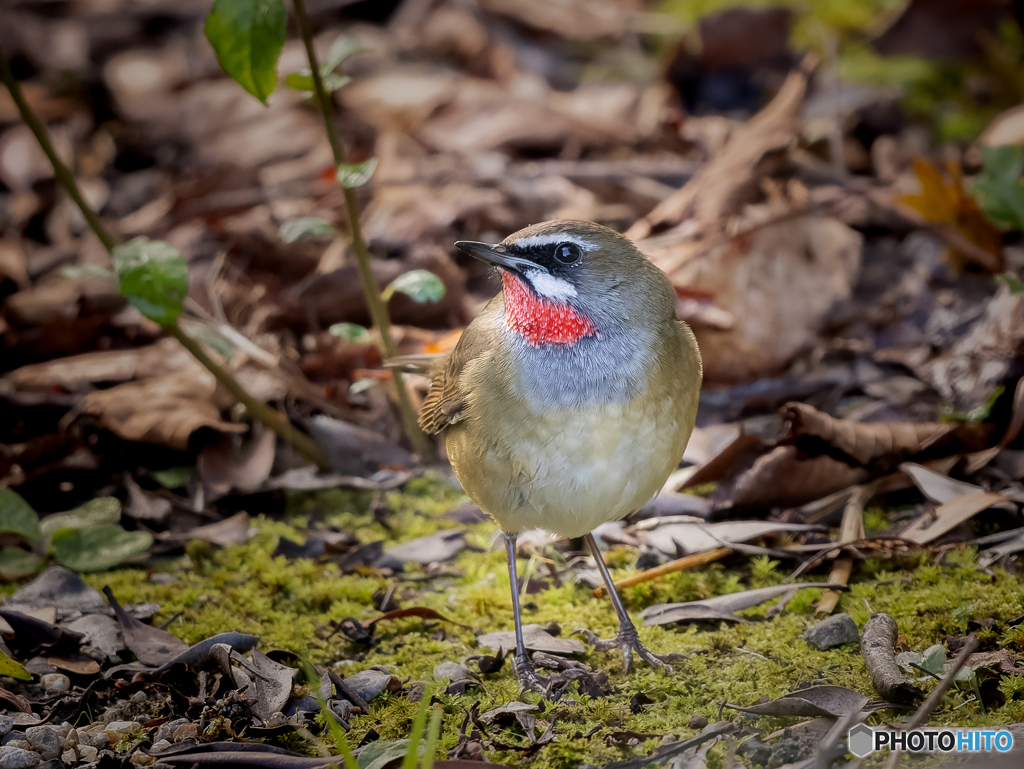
(541, 321)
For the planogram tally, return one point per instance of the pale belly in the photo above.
(570, 470)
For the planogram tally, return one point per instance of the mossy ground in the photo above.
(290, 604)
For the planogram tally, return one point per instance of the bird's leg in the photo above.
(521, 666)
(627, 638)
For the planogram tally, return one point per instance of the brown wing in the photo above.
(444, 402)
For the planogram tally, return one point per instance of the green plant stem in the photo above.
(367, 280)
(64, 176)
(272, 418)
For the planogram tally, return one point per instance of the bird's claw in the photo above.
(628, 641)
(529, 681)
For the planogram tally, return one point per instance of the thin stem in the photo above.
(272, 418)
(64, 176)
(367, 280)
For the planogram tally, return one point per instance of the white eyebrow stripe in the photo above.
(553, 238)
(549, 286)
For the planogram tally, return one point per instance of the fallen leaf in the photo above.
(270, 685)
(947, 516)
(938, 487)
(13, 668)
(866, 443)
(165, 410)
(720, 607)
(534, 638)
(232, 463)
(17, 516)
(785, 478)
(235, 530)
(152, 646)
(698, 536)
(61, 588)
(835, 701)
(439, 547)
(96, 512)
(100, 632)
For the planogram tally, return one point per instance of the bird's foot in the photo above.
(628, 641)
(529, 681)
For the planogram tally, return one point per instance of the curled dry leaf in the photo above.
(934, 523)
(719, 607)
(694, 537)
(535, 638)
(866, 443)
(835, 701)
(785, 478)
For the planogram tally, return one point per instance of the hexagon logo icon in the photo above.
(861, 740)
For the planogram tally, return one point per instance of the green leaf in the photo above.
(1012, 282)
(99, 547)
(152, 276)
(86, 271)
(356, 175)
(247, 36)
(379, 754)
(351, 332)
(998, 186)
(303, 81)
(17, 516)
(173, 477)
(16, 563)
(342, 47)
(9, 667)
(102, 511)
(294, 229)
(934, 658)
(420, 285)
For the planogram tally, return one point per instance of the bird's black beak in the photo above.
(496, 255)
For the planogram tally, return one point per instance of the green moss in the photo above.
(291, 605)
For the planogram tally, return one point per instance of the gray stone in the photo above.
(450, 671)
(793, 747)
(758, 752)
(87, 753)
(16, 758)
(6, 724)
(166, 731)
(47, 741)
(835, 631)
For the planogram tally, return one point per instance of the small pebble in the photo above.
(71, 739)
(16, 739)
(47, 741)
(122, 727)
(186, 732)
(87, 753)
(69, 757)
(697, 722)
(56, 682)
(16, 758)
(450, 671)
(166, 731)
(139, 697)
(835, 631)
(162, 578)
(160, 745)
(757, 751)
(141, 759)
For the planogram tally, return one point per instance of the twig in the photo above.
(852, 529)
(936, 694)
(261, 411)
(67, 181)
(680, 564)
(367, 280)
(878, 645)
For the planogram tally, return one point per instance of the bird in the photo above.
(569, 399)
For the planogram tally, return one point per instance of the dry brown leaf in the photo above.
(969, 371)
(783, 478)
(948, 516)
(572, 19)
(79, 371)
(731, 177)
(864, 442)
(231, 463)
(165, 410)
(778, 283)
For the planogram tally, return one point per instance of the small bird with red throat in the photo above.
(569, 400)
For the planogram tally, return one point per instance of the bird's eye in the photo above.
(568, 253)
